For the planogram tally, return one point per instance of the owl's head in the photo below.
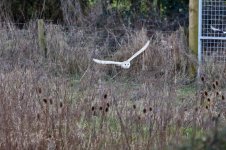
(125, 64)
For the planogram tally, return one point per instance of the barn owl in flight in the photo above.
(219, 30)
(124, 64)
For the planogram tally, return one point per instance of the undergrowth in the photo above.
(65, 101)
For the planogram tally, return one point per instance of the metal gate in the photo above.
(212, 31)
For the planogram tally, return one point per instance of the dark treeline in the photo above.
(164, 14)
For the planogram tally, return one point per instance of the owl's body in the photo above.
(124, 64)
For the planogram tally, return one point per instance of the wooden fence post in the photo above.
(193, 32)
(41, 37)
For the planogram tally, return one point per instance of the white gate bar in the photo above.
(212, 38)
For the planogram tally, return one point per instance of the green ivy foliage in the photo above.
(172, 7)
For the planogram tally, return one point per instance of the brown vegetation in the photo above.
(65, 101)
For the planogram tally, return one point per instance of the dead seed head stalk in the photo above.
(150, 109)
(106, 109)
(144, 110)
(45, 100)
(134, 106)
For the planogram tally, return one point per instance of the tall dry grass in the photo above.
(44, 106)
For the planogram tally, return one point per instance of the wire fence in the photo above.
(212, 27)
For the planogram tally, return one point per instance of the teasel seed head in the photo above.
(144, 110)
(214, 86)
(106, 109)
(150, 109)
(44, 100)
(105, 96)
(202, 78)
(61, 104)
(92, 108)
(134, 106)
(39, 90)
(216, 82)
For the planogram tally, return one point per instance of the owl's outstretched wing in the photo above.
(106, 62)
(216, 29)
(140, 51)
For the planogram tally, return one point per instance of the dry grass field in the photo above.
(66, 101)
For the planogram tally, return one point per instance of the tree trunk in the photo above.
(156, 6)
(104, 4)
(84, 4)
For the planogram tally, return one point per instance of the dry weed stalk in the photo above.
(42, 106)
